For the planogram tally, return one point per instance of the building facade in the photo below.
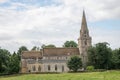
(55, 59)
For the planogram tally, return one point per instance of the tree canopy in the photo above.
(116, 58)
(4, 60)
(35, 48)
(48, 46)
(74, 63)
(70, 44)
(100, 56)
(14, 63)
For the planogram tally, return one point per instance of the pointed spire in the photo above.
(84, 23)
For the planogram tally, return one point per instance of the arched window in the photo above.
(48, 67)
(39, 68)
(34, 69)
(55, 67)
(62, 68)
(85, 42)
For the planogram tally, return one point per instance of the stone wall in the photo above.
(55, 67)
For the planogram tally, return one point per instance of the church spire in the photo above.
(84, 41)
(84, 23)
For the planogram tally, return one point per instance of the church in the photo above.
(55, 59)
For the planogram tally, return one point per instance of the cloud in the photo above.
(2, 1)
(6, 37)
(55, 22)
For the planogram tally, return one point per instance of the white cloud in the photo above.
(54, 24)
(2, 1)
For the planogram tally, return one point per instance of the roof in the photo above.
(60, 51)
(31, 54)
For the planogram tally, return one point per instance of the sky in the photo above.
(36, 22)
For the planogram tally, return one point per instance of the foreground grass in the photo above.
(107, 75)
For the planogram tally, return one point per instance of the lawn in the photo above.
(107, 75)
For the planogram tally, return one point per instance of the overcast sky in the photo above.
(36, 22)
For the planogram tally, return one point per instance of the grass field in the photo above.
(107, 75)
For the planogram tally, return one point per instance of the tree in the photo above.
(74, 63)
(48, 46)
(100, 56)
(4, 60)
(14, 65)
(34, 48)
(70, 44)
(116, 59)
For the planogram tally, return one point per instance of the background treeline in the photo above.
(101, 56)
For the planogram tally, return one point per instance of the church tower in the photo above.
(84, 41)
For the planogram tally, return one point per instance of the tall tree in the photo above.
(116, 58)
(14, 65)
(4, 60)
(70, 44)
(100, 56)
(74, 63)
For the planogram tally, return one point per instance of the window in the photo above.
(66, 57)
(85, 42)
(39, 68)
(34, 69)
(49, 67)
(62, 68)
(55, 67)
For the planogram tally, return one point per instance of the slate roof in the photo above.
(60, 51)
(51, 52)
(31, 54)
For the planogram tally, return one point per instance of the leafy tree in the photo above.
(70, 44)
(35, 48)
(4, 60)
(116, 59)
(100, 56)
(48, 46)
(74, 63)
(14, 65)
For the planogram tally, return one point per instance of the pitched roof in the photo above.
(60, 51)
(31, 54)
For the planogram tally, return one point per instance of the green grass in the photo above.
(107, 75)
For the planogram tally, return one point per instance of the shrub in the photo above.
(90, 68)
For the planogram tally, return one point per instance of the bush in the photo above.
(74, 63)
(90, 68)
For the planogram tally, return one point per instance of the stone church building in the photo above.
(55, 59)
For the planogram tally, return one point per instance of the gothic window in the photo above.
(85, 42)
(85, 32)
(49, 67)
(66, 57)
(34, 69)
(29, 71)
(85, 35)
(55, 67)
(39, 68)
(62, 68)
